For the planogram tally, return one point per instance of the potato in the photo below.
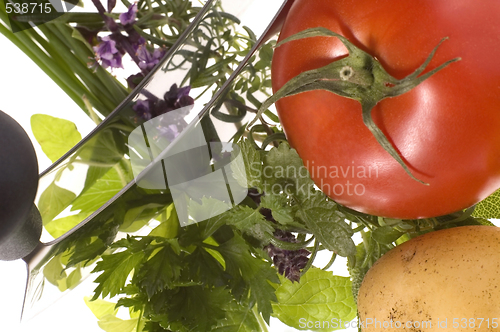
(446, 280)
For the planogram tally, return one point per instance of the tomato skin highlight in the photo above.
(447, 129)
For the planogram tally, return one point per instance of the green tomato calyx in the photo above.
(358, 76)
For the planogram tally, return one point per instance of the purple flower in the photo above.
(173, 99)
(107, 52)
(129, 16)
(143, 109)
(147, 59)
(178, 97)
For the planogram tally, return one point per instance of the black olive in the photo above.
(20, 222)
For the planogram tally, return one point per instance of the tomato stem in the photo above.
(358, 76)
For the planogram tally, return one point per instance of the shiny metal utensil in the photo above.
(94, 157)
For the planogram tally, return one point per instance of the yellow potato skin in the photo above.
(446, 275)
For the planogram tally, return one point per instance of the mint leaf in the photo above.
(330, 229)
(99, 193)
(488, 208)
(248, 170)
(318, 297)
(280, 210)
(56, 136)
(116, 269)
(53, 201)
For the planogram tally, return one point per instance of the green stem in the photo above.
(262, 323)
(358, 76)
(330, 263)
(46, 64)
(312, 258)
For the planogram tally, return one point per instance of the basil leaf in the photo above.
(60, 226)
(99, 193)
(56, 136)
(53, 201)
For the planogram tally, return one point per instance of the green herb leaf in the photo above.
(330, 229)
(99, 193)
(115, 324)
(239, 318)
(249, 274)
(280, 210)
(195, 308)
(101, 308)
(249, 221)
(386, 235)
(56, 136)
(116, 269)
(54, 270)
(53, 201)
(60, 226)
(136, 217)
(203, 266)
(160, 271)
(318, 297)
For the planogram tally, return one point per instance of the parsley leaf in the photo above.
(250, 274)
(116, 269)
(160, 270)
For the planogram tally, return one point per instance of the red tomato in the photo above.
(447, 129)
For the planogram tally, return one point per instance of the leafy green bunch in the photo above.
(216, 276)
